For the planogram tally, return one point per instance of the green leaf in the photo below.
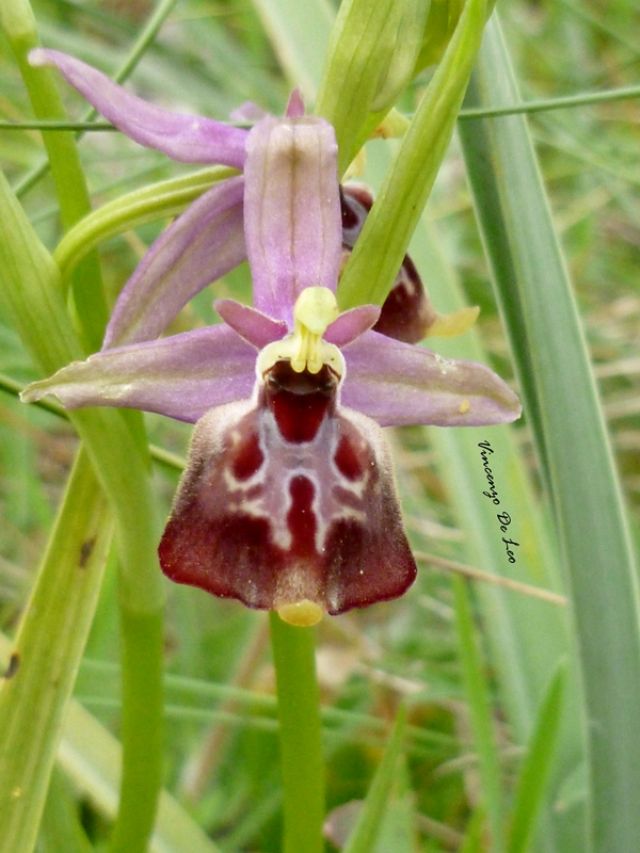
(32, 298)
(525, 637)
(378, 253)
(46, 655)
(147, 204)
(534, 773)
(536, 297)
(479, 700)
(364, 835)
(71, 188)
(299, 33)
(370, 59)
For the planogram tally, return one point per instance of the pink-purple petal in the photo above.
(247, 113)
(202, 245)
(184, 137)
(181, 377)
(397, 383)
(351, 324)
(295, 105)
(292, 211)
(254, 326)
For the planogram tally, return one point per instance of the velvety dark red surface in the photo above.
(299, 401)
(247, 459)
(406, 314)
(355, 204)
(270, 520)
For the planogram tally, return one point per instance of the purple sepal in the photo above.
(181, 377)
(254, 326)
(396, 383)
(202, 245)
(292, 211)
(184, 137)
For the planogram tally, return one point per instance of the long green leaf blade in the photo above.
(535, 294)
(363, 837)
(478, 697)
(534, 773)
(47, 654)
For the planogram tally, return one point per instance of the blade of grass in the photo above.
(364, 835)
(526, 638)
(479, 701)
(91, 758)
(141, 614)
(68, 177)
(534, 773)
(533, 288)
(289, 24)
(137, 51)
(32, 299)
(46, 655)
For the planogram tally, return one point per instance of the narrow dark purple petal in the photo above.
(292, 211)
(254, 326)
(351, 324)
(396, 383)
(181, 377)
(203, 244)
(184, 137)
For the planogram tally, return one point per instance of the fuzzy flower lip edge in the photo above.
(185, 375)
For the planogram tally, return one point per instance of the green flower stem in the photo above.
(147, 35)
(68, 177)
(118, 451)
(164, 198)
(300, 736)
(377, 256)
(141, 634)
(46, 655)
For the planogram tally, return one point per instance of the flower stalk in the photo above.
(300, 736)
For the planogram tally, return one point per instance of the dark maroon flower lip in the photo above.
(289, 504)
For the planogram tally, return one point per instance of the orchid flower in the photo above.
(288, 500)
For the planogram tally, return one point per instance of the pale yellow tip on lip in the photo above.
(302, 614)
(451, 325)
